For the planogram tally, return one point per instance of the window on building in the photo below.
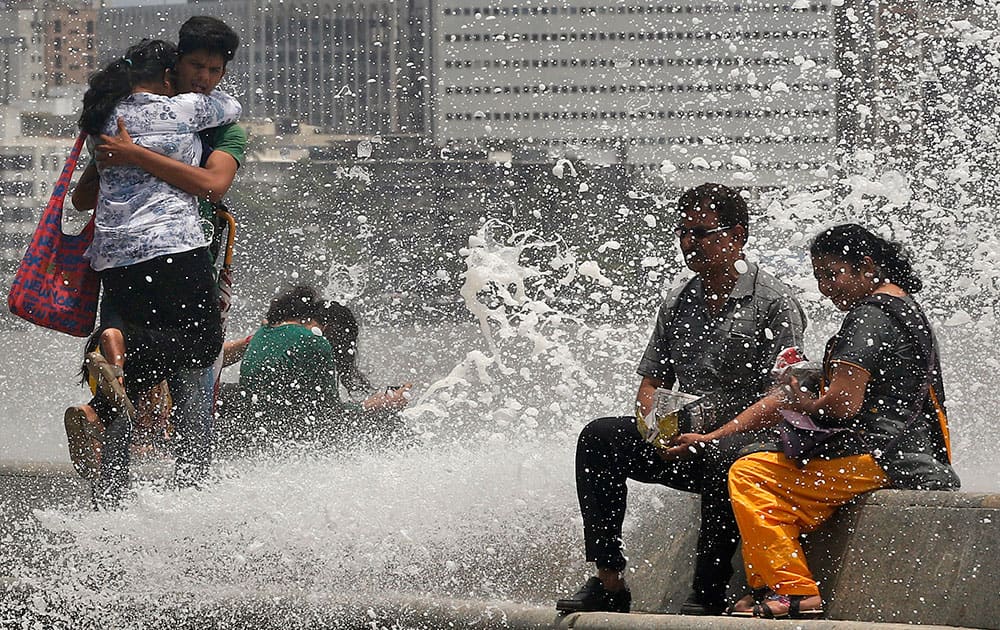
(15, 162)
(15, 189)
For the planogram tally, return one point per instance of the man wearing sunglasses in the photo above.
(717, 336)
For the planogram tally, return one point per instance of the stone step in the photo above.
(899, 556)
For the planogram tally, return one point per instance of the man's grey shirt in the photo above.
(729, 355)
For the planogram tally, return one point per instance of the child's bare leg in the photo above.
(106, 366)
(113, 346)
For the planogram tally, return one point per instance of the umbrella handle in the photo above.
(224, 215)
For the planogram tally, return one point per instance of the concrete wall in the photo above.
(893, 556)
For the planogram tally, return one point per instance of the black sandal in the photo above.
(793, 609)
(794, 602)
(763, 611)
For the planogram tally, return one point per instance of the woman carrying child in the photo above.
(156, 273)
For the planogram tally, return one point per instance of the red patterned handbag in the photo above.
(55, 286)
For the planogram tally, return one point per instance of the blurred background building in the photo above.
(47, 50)
(428, 105)
(747, 88)
(354, 68)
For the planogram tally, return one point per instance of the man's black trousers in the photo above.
(610, 450)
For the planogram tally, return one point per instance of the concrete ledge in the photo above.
(892, 556)
(427, 613)
(914, 557)
(417, 612)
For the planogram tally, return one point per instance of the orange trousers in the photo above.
(774, 501)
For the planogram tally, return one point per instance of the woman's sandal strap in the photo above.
(763, 611)
(793, 604)
(794, 607)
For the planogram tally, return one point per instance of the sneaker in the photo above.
(693, 606)
(84, 435)
(107, 376)
(593, 598)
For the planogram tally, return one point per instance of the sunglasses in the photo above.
(700, 233)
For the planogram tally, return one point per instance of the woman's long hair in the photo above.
(341, 329)
(144, 62)
(851, 242)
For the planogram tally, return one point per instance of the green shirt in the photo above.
(231, 139)
(289, 379)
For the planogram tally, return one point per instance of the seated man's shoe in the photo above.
(695, 607)
(592, 597)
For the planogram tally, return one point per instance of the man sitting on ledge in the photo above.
(716, 336)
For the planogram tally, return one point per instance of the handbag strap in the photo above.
(917, 326)
(66, 177)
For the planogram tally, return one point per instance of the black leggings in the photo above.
(168, 311)
(610, 450)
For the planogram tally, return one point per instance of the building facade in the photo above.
(350, 68)
(70, 45)
(681, 88)
(34, 115)
(22, 74)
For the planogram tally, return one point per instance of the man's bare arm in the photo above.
(211, 182)
(644, 398)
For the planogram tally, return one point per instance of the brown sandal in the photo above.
(108, 375)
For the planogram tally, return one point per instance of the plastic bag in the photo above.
(664, 421)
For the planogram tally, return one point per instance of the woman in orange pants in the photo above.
(884, 398)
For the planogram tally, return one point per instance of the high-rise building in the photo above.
(46, 53)
(745, 89)
(22, 78)
(69, 33)
(350, 68)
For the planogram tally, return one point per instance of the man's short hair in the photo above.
(723, 200)
(207, 33)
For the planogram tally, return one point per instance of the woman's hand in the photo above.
(390, 400)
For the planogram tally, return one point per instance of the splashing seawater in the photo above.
(484, 505)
